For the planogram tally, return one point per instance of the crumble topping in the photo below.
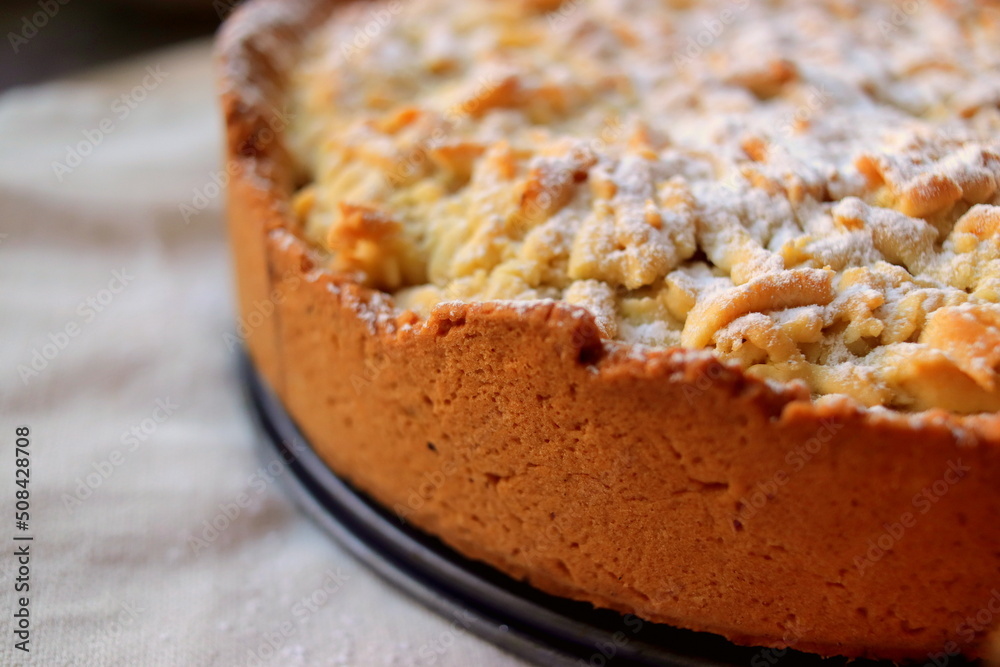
(811, 190)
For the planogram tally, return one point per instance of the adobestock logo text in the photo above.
(121, 108)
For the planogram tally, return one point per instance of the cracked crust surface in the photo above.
(656, 482)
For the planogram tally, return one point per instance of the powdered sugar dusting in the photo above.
(808, 191)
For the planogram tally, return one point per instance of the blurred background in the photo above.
(77, 34)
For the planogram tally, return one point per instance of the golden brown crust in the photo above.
(660, 483)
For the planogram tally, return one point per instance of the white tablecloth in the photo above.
(113, 313)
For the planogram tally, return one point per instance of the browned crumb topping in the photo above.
(810, 189)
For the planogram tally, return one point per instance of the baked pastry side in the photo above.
(655, 482)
